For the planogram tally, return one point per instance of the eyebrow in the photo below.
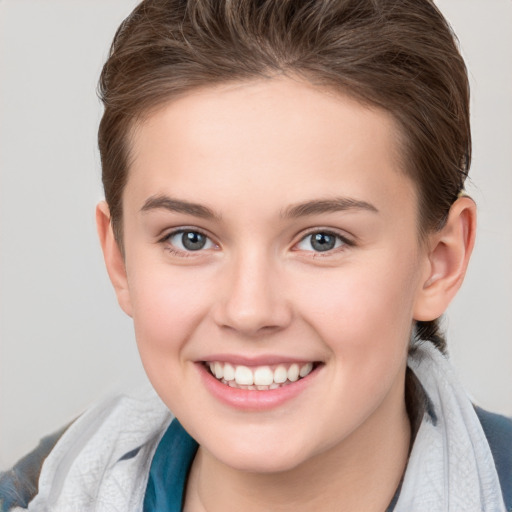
(327, 206)
(314, 207)
(178, 206)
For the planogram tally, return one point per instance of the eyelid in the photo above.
(165, 239)
(346, 241)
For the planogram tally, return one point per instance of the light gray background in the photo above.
(64, 341)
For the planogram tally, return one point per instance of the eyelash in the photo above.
(341, 242)
(166, 240)
(345, 242)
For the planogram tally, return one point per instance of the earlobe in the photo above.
(448, 257)
(114, 260)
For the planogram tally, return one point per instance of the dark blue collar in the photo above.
(169, 470)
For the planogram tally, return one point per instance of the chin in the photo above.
(261, 456)
(263, 465)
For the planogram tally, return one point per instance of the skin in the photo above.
(250, 153)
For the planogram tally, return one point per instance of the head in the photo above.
(233, 129)
(399, 56)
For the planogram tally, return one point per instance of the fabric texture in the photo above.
(451, 467)
(20, 484)
(498, 431)
(102, 462)
(123, 455)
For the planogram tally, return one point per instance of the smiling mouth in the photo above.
(259, 378)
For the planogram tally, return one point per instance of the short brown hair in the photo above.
(399, 55)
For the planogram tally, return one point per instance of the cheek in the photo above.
(168, 305)
(364, 311)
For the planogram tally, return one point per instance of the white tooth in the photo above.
(244, 376)
(262, 388)
(280, 374)
(273, 386)
(232, 383)
(305, 370)
(229, 372)
(263, 376)
(293, 372)
(219, 373)
(212, 367)
(252, 388)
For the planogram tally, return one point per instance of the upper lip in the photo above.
(262, 360)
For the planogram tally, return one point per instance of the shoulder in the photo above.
(106, 447)
(498, 430)
(19, 485)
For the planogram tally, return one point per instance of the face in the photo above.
(272, 268)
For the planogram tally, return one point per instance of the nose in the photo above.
(253, 302)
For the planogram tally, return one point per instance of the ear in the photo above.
(113, 256)
(449, 250)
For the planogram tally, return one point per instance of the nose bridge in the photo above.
(254, 300)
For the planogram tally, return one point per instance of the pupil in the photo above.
(193, 241)
(323, 242)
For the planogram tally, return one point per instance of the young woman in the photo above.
(285, 222)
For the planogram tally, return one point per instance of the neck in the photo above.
(361, 473)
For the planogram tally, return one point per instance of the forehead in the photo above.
(275, 137)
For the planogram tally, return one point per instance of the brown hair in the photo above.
(400, 55)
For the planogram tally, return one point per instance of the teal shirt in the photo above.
(169, 470)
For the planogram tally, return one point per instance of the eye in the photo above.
(322, 241)
(189, 240)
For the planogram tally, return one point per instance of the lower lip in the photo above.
(254, 400)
